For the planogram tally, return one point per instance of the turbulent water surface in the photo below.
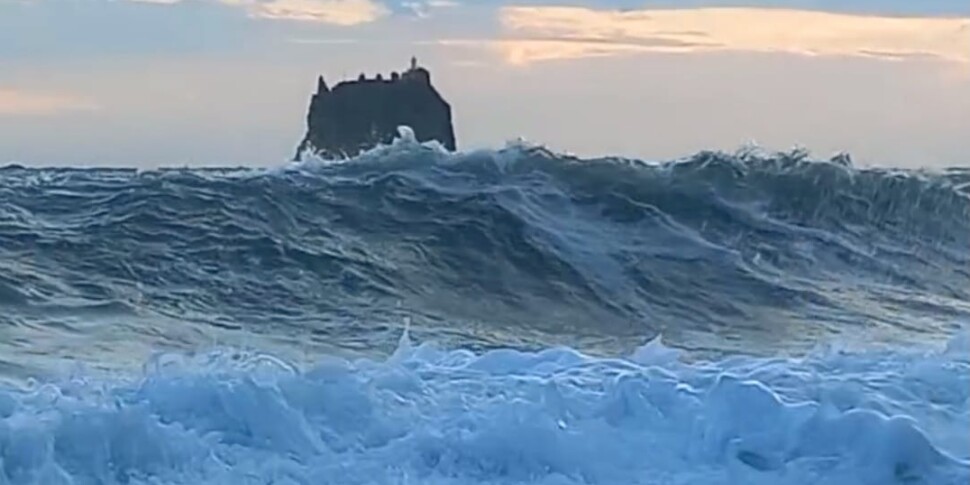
(245, 326)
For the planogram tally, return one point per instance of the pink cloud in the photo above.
(17, 102)
(535, 34)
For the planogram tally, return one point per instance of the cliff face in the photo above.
(358, 115)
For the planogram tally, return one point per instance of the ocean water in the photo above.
(499, 316)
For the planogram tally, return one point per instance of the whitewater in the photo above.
(506, 316)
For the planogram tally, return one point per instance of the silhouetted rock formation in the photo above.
(358, 115)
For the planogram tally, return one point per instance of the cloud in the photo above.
(535, 34)
(15, 102)
(338, 12)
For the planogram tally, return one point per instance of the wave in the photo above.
(523, 247)
(556, 416)
(802, 305)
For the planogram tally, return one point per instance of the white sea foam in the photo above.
(453, 417)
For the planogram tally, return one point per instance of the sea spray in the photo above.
(503, 416)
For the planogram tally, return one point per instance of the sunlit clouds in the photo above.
(338, 12)
(17, 102)
(533, 34)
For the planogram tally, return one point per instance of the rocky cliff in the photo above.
(358, 115)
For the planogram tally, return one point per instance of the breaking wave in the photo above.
(454, 417)
(792, 296)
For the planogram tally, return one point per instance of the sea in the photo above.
(514, 315)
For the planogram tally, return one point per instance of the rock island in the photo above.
(355, 116)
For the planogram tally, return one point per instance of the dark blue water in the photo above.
(754, 255)
(518, 247)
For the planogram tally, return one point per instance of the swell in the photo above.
(519, 246)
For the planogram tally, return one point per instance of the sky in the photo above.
(147, 83)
